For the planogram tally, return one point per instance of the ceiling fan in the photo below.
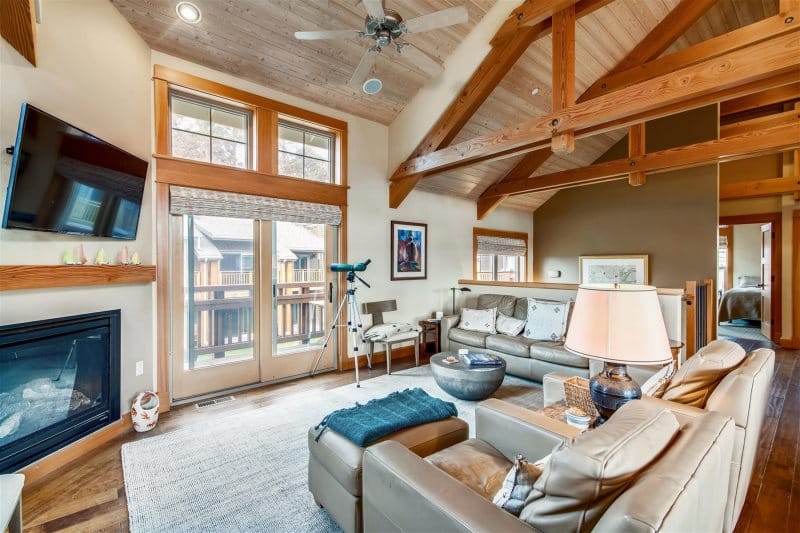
(385, 27)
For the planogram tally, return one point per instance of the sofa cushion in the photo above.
(694, 382)
(482, 320)
(586, 474)
(547, 321)
(508, 325)
(521, 309)
(474, 463)
(503, 302)
(554, 352)
(470, 338)
(518, 346)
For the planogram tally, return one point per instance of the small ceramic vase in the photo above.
(80, 256)
(122, 256)
(69, 257)
(144, 411)
(135, 259)
(101, 258)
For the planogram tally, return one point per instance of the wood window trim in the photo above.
(263, 180)
(777, 227)
(498, 233)
(727, 231)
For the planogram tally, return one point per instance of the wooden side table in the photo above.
(432, 328)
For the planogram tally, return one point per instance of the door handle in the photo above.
(330, 292)
(761, 286)
(274, 290)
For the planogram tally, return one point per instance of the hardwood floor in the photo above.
(89, 494)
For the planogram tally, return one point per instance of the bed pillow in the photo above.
(748, 281)
(547, 320)
(508, 325)
(480, 320)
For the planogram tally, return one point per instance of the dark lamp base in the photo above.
(611, 389)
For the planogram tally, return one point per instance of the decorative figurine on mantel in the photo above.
(80, 256)
(135, 259)
(122, 256)
(101, 258)
(69, 257)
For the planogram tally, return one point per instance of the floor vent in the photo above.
(215, 401)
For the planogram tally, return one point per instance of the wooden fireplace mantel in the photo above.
(18, 277)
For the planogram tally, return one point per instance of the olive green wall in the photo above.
(672, 218)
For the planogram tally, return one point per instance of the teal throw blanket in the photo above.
(377, 418)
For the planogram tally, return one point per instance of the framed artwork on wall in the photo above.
(627, 269)
(409, 252)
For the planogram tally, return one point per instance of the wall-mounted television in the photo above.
(65, 180)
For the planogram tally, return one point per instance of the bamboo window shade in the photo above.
(492, 245)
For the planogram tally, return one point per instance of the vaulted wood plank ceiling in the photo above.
(253, 39)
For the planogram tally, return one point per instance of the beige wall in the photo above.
(672, 218)
(746, 251)
(93, 71)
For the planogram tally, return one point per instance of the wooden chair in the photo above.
(376, 309)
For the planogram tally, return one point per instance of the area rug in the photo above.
(248, 472)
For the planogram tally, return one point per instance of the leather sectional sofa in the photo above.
(524, 357)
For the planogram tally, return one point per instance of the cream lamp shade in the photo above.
(619, 324)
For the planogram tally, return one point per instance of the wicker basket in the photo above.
(576, 393)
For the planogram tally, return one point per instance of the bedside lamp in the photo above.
(453, 290)
(619, 325)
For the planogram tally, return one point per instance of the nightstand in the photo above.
(429, 336)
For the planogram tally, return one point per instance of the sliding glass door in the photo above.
(251, 301)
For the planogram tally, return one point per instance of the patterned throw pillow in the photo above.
(657, 384)
(508, 325)
(480, 320)
(517, 484)
(547, 321)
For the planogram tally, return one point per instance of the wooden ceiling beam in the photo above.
(729, 42)
(787, 93)
(771, 140)
(700, 84)
(501, 58)
(636, 149)
(756, 188)
(758, 123)
(563, 142)
(530, 13)
(521, 170)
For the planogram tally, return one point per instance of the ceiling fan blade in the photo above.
(422, 59)
(374, 9)
(332, 34)
(437, 19)
(364, 67)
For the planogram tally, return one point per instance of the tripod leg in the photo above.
(361, 327)
(334, 325)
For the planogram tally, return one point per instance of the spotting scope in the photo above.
(350, 267)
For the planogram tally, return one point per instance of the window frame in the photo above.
(522, 261)
(333, 162)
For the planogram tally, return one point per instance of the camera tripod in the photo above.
(353, 323)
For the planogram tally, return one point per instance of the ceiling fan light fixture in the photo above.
(535, 91)
(372, 86)
(188, 12)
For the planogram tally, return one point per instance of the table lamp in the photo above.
(619, 325)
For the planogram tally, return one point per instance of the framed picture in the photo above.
(628, 269)
(409, 251)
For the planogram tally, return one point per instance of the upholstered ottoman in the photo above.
(334, 464)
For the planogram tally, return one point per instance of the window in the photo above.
(500, 255)
(305, 153)
(209, 132)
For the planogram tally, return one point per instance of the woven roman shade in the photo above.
(190, 201)
(489, 245)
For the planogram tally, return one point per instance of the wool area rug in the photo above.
(248, 471)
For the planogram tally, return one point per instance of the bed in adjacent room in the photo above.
(743, 302)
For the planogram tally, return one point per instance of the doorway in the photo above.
(251, 301)
(748, 277)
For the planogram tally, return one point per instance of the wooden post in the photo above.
(711, 330)
(636, 148)
(691, 317)
(563, 75)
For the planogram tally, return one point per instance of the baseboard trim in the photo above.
(45, 466)
(790, 344)
(398, 354)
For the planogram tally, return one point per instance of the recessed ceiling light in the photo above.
(188, 12)
(535, 91)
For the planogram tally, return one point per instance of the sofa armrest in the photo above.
(445, 326)
(403, 492)
(683, 413)
(515, 430)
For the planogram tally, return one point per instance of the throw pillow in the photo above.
(587, 473)
(749, 281)
(480, 320)
(657, 384)
(547, 321)
(508, 325)
(516, 486)
(694, 382)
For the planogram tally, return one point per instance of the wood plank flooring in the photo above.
(89, 494)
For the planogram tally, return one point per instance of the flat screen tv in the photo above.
(66, 180)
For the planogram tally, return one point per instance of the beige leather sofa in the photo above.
(524, 357)
(741, 395)
(677, 490)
